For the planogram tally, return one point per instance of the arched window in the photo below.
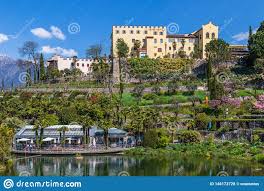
(207, 35)
(213, 35)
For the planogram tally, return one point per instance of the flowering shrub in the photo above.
(235, 102)
(259, 104)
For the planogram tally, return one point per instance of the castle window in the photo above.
(133, 40)
(155, 41)
(131, 32)
(189, 48)
(146, 32)
(200, 36)
(161, 33)
(159, 49)
(170, 48)
(207, 35)
(82, 65)
(124, 32)
(87, 65)
(161, 40)
(213, 35)
(77, 64)
(155, 33)
(117, 31)
(138, 32)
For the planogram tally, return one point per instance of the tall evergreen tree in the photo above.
(3, 84)
(42, 68)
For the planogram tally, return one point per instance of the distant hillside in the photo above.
(9, 71)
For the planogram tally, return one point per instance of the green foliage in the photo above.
(94, 51)
(6, 135)
(156, 89)
(101, 71)
(259, 158)
(53, 73)
(217, 51)
(189, 136)
(42, 71)
(197, 52)
(224, 129)
(156, 138)
(173, 86)
(138, 91)
(216, 89)
(201, 121)
(162, 68)
(150, 96)
(143, 68)
(122, 48)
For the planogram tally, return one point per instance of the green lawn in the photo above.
(129, 99)
(242, 93)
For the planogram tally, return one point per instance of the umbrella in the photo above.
(48, 139)
(23, 140)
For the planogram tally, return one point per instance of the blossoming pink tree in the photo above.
(259, 104)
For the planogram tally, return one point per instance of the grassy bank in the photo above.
(225, 150)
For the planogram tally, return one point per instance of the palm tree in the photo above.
(174, 46)
(86, 122)
(63, 130)
(36, 130)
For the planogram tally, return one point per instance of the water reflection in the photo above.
(135, 166)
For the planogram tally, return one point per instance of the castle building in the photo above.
(61, 63)
(156, 41)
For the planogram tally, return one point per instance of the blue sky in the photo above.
(48, 22)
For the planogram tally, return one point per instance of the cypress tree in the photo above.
(42, 68)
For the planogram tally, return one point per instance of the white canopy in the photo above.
(23, 140)
(71, 139)
(48, 139)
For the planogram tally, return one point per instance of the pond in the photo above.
(117, 165)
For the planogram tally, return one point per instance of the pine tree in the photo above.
(250, 37)
(42, 68)
(3, 84)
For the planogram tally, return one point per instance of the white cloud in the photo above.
(242, 36)
(57, 33)
(45, 34)
(3, 38)
(41, 33)
(59, 50)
